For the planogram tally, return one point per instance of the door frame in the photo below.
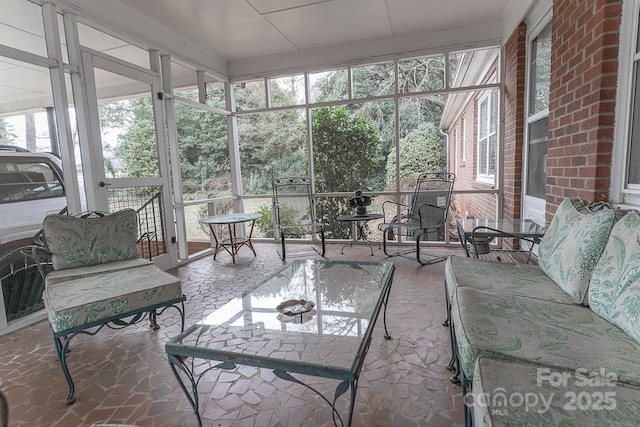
(96, 182)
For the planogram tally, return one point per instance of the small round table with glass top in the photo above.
(233, 243)
(361, 233)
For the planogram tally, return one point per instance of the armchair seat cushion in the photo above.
(515, 394)
(525, 280)
(86, 299)
(539, 332)
(77, 273)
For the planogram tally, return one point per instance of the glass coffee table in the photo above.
(312, 317)
(479, 232)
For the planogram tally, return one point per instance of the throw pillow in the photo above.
(78, 242)
(572, 245)
(614, 291)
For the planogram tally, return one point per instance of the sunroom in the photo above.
(182, 110)
(167, 128)
(145, 113)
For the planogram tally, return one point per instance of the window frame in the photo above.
(491, 121)
(621, 191)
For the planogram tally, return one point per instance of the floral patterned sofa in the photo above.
(558, 343)
(98, 279)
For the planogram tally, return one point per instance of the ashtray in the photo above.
(301, 318)
(294, 307)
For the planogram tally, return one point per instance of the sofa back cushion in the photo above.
(572, 245)
(614, 291)
(79, 242)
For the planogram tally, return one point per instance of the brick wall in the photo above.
(584, 70)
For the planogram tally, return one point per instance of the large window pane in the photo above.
(466, 67)
(24, 86)
(537, 158)
(127, 127)
(329, 86)
(373, 80)
(250, 95)
(112, 46)
(422, 145)
(204, 153)
(346, 149)
(487, 128)
(271, 144)
(286, 91)
(21, 26)
(633, 174)
(421, 74)
(540, 71)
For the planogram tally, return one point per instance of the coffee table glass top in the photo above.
(332, 336)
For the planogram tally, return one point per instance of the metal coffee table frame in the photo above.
(198, 341)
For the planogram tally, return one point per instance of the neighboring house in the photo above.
(568, 114)
(470, 122)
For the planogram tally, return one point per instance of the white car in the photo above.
(31, 187)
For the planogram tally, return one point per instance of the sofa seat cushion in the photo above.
(57, 276)
(534, 331)
(82, 301)
(505, 278)
(614, 291)
(78, 242)
(572, 245)
(515, 394)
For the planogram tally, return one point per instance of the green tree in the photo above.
(422, 150)
(271, 144)
(7, 137)
(346, 152)
(138, 145)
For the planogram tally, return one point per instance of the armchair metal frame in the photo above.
(296, 190)
(425, 213)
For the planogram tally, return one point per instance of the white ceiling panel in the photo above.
(333, 22)
(409, 16)
(242, 29)
(271, 6)
(231, 29)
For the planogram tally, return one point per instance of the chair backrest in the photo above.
(87, 240)
(429, 204)
(292, 202)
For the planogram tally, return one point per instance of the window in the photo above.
(626, 161)
(28, 180)
(463, 139)
(538, 114)
(487, 135)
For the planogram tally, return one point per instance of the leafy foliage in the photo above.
(345, 150)
(346, 153)
(7, 137)
(421, 151)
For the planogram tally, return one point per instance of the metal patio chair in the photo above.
(423, 216)
(294, 211)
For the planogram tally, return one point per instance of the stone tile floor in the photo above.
(124, 376)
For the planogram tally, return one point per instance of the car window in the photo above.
(21, 181)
